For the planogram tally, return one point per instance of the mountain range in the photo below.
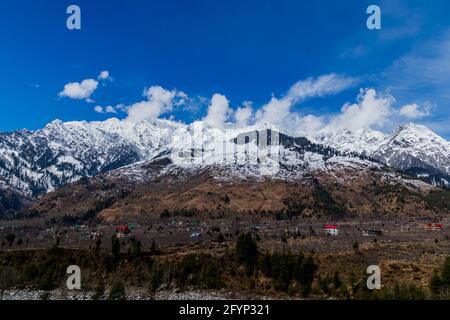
(411, 148)
(47, 163)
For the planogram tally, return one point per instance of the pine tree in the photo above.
(115, 246)
(435, 284)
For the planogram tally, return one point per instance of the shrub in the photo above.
(220, 238)
(10, 238)
(99, 292)
(440, 283)
(115, 249)
(117, 291)
(247, 251)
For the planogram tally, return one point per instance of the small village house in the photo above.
(371, 232)
(196, 235)
(433, 226)
(122, 231)
(331, 230)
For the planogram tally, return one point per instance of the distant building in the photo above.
(122, 231)
(331, 230)
(371, 232)
(196, 235)
(433, 226)
(97, 234)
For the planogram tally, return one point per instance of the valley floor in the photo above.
(182, 250)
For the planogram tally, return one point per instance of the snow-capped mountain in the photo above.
(363, 141)
(417, 150)
(36, 162)
(410, 148)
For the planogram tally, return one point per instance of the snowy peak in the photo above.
(411, 148)
(362, 141)
(35, 162)
(418, 135)
(415, 146)
(63, 152)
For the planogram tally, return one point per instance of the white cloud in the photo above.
(104, 75)
(84, 89)
(243, 115)
(107, 109)
(414, 111)
(319, 87)
(76, 90)
(370, 110)
(121, 107)
(183, 99)
(278, 110)
(110, 109)
(159, 101)
(218, 111)
(309, 125)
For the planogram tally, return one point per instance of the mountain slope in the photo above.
(342, 187)
(413, 149)
(148, 168)
(38, 162)
(362, 141)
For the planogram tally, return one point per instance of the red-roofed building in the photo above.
(331, 229)
(434, 226)
(122, 230)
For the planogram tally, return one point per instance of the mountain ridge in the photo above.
(38, 162)
(411, 148)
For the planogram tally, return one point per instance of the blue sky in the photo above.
(243, 50)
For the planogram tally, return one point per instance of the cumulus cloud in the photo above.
(414, 111)
(309, 125)
(79, 91)
(110, 109)
(370, 110)
(278, 110)
(243, 115)
(159, 101)
(107, 109)
(104, 75)
(275, 112)
(218, 111)
(84, 89)
(98, 109)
